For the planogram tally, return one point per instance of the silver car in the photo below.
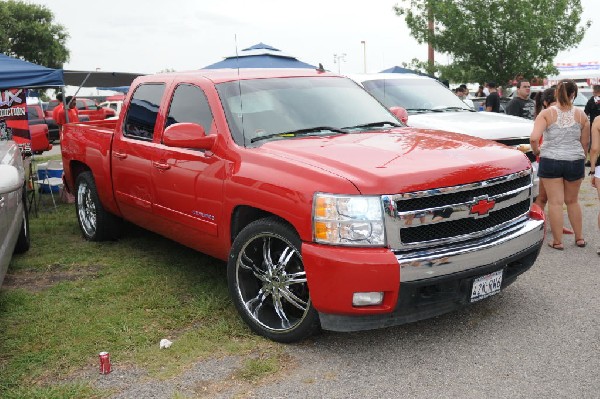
(14, 217)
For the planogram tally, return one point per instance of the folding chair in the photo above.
(32, 195)
(48, 180)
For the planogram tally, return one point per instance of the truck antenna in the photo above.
(237, 60)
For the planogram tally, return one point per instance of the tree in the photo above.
(496, 39)
(28, 32)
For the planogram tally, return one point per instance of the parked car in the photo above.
(86, 107)
(328, 211)
(579, 101)
(37, 116)
(14, 217)
(431, 105)
(39, 139)
(115, 105)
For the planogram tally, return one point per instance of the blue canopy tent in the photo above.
(397, 69)
(120, 89)
(260, 56)
(15, 73)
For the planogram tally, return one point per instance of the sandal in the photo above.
(558, 246)
(580, 243)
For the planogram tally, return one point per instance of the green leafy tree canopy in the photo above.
(28, 32)
(496, 39)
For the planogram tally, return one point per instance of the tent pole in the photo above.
(75, 95)
(64, 101)
(82, 83)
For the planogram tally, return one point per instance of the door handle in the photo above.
(161, 165)
(120, 155)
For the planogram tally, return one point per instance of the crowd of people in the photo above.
(564, 137)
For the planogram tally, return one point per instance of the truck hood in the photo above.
(487, 125)
(400, 160)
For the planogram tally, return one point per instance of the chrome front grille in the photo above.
(453, 214)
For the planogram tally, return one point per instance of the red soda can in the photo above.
(104, 362)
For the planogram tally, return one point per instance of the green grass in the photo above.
(255, 369)
(71, 299)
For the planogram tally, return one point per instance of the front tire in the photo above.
(95, 222)
(267, 282)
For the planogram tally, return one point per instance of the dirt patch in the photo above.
(39, 280)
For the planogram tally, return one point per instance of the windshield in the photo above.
(51, 105)
(260, 110)
(415, 95)
(580, 101)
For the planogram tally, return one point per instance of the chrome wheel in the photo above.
(268, 284)
(86, 209)
(95, 222)
(272, 283)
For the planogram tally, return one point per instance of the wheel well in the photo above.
(76, 169)
(244, 215)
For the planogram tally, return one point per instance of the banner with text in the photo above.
(13, 117)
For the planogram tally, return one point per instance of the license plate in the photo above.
(485, 286)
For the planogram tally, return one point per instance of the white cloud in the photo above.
(147, 36)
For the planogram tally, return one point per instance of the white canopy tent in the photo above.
(582, 66)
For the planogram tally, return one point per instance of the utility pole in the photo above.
(364, 43)
(430, 25)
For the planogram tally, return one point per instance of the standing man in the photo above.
(492, 101)
(59, 106)
(73, 113)
(521, 105)
(466, 97)
(592, 108)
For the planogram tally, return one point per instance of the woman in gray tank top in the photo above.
(562, 162)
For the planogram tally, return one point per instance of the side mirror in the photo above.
(188, 135)
(9, 179)
(400, 113)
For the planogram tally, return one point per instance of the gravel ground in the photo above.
(538, 338)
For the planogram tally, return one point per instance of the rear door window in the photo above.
(140, 120)
(33, 113)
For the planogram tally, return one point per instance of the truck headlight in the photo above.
(348, 220)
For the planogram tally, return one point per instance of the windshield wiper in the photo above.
(373, 124)
(422, 110)
(444, 108)
(299, 132)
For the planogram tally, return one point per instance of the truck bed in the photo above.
(89, 144)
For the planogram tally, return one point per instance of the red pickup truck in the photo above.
(87, 108)
(328, 211)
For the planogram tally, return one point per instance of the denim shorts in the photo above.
(568, 170)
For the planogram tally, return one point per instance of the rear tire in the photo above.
(267, 282)
(24, 242)
(95, 222)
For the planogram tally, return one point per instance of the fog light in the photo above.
(367, 298)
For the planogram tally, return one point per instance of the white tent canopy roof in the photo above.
(579, 64)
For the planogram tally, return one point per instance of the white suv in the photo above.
(431, 105)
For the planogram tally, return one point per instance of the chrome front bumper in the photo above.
(536, 180)
(441, 261)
